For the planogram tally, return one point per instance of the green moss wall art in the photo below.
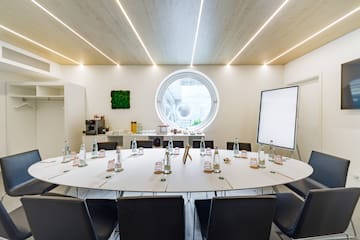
(120, 99)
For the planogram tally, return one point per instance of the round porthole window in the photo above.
(187, 99)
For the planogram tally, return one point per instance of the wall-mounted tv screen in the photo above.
(350, 85)
(277, 117)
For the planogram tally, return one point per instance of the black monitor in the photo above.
(350, 85)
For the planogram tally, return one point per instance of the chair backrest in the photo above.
(14, 168)
(242, 146)
(143, 143)
(107, 145)
(329, 170)
(241, 217)
(177, 143)
(157, 142)
(326, 211)
(208, 144)
(58, 218)
(160, 217)
(8, 229)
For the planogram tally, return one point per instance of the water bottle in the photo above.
(167, 166)
(67, 152)
(82, 156)
(236, 148)
(216, 161)
(94, 153)
(261, 156)
(202, 147)
(171, 146)
(118, 164)
(134, 146)
(271, 151)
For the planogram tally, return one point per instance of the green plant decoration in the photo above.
(120, 99)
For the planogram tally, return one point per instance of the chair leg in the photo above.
(353, 228)
(119, 194)
(2, 197)
(279, 234)
(347, 236)
(194, 224)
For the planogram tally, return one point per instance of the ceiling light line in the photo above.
(135, 31)
(196, 32)
(314, 35)
(73, 31)
(258, 31)
(38, 44)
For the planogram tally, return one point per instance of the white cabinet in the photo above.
(44, 114)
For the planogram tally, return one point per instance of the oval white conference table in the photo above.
(138, 173)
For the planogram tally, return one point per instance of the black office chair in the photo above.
(17, 180)
(242, 146)
(230, 218)
(208, 144)
(160, 218)
(143, 143)
(59, 218)
(329, 172)
(177, 143)
(107, 145)
(324, 212)
(14, 225)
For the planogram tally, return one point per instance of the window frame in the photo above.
(199, 76)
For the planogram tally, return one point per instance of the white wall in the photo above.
(340, 128)
(238, 86)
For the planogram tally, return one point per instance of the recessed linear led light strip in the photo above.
(73, 31)
(258, 31)
(134, 29)
(314, 35)
(38, 44)
(197, 32)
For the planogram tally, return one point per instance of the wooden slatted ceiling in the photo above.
(25, 18)
(167, 27)
(299, 20)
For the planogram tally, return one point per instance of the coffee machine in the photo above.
(94, 127)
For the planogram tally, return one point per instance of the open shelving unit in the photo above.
(36, 91)
(43, 114)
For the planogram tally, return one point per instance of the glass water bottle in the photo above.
(236, 148)
(271, 151)
(167, 166)
(94, 153)
(82, 156)
(202, 147)
(118, 164)
(134, 145)
(171, 146)
(67, 152)
(216, 161)
(261, 156)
